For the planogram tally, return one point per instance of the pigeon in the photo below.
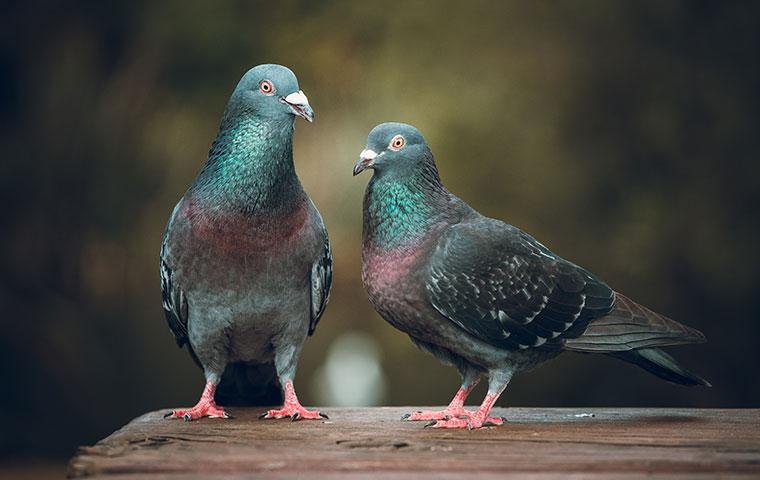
(483, 295)
(246, 266)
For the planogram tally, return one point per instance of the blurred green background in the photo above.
(622, 134)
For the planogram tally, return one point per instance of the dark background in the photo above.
(624, 135)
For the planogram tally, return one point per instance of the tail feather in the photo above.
(659, 363)
(630, 326)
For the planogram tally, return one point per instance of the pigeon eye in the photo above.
(397, 143)
(266, 87)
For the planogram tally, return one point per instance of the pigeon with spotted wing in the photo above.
(246, 267)
(483, 295)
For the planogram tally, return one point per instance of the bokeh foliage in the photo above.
(623, 134)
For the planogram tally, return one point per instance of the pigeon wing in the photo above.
(505, 288)
(174, 300)
(321, 283)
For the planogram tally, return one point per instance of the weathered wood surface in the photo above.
(372, 443)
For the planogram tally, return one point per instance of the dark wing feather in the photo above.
(630, 326)
(174, 300)
(502, 286)
(175, 304)
(321, 283)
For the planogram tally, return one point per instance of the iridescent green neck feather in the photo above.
(401, 209)
(250, 167)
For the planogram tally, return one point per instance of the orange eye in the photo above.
(266, 87)
(397, 143)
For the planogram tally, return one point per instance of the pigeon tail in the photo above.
(659, 363)
(630, 326)
(249, 384)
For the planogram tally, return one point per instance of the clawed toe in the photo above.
(292, 408)
(198, 412)
(294, 414)
(471, 423)
(451, 423)
(206, 407)
(494, 421)
(436, 415)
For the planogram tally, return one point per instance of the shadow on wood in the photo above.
(374, 443)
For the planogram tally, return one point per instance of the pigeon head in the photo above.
(393, 147)
(271, 91)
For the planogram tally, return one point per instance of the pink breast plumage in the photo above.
(234, 232)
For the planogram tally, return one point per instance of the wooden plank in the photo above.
(374, 443)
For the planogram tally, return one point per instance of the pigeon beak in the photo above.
(299, 105)
(366, 160)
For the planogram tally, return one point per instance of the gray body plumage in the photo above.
(245, 260)
(481, 294)
(247, 306)
(406, 301)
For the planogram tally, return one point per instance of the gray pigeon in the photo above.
(246, 267)
(483, 295)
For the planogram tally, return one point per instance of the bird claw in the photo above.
(324, 415)
(472, 423)
(494, 421)
(294, 413)
(403, 417)
(430, 424)
(444, 414)
(201, 410)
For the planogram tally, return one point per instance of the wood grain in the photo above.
(370, 443)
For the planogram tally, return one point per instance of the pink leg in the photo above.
(479, 418)
(454, 410)
(206, 407)
(292, 408)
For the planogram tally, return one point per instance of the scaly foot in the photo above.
(294, 412)
(444, 414)
(206, 407)
(472, 423)
(292, 408)
(199, 411)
